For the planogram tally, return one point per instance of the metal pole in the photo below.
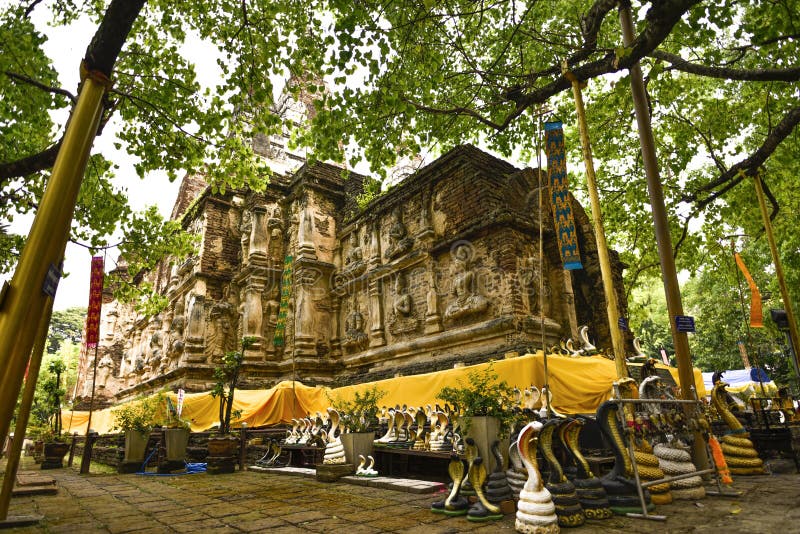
(545, 397)
(661, 224)
(599, 232)
(776, 260)
(87, 458)
(25, 301)
(25, 410)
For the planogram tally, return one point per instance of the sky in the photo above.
(66, 46)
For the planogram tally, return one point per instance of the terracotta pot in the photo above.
(223, 454)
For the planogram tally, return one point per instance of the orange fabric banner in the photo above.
(756, 316)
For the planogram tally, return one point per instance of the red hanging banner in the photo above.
(95, 302)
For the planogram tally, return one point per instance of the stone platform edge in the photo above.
(407, 485)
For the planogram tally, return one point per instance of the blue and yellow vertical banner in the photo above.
(283, 309)
(564, 221)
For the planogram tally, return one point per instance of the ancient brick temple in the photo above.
(441, 269)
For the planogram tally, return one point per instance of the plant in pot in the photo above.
(358, 416)
(223, 448)
(135, 419)
(483, 404)
(55, 447)
(176, 438)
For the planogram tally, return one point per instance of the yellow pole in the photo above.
(599, 232)
(25, 299)
(25, 410)
(669, 273)
(776, 259)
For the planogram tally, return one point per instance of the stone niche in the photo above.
(444, 268)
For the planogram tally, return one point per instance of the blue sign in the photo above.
(684, 323)
(51, 281)
(623, 324)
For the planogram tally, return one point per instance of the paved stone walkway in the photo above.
(251, 501)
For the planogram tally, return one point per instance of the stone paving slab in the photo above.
(251, 501)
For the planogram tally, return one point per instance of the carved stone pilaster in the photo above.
(305, 235)
(258, 235)
(252, 319)
(304, 341)
(375, 245)
(433, 321)
(336, 340)
(195, 330)
(377, 338)
(569, 305)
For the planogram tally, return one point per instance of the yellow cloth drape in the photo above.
(579, 385)
(258, 407)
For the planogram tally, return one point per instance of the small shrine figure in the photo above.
(105, 367)
(354, 336)
(402, 318)
(246, 227)
(399, 242)
(468, 299)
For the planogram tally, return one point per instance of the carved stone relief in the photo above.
(403, 318)
(399, 241)
(468, 299)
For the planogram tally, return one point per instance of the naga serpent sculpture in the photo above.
(621, 490)
(516, 474)
(454, 504)
(334, 450)
(568, 509)
(497, 487)
(591, 494)
(740, 455)
(536, 513)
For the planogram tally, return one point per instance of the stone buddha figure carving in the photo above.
(275, 233)
(468, 300)
(402, 319)
(354, 336)
(354, 263)
(399, 242)
(105, 367)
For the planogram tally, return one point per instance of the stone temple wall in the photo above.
(443, 268)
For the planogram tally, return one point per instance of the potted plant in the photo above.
(55, 448)
(483, 405)
(223, 448)
(357, 417)
(135, 419)
(176, 438)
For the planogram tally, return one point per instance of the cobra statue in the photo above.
(334, 450)
(568, 509)
(482, 509)
(621, 490)
(536, 513)
(497, 487)
(673, 456)
(454, 504)
(516, 474)
(740, 455)
(591, 494)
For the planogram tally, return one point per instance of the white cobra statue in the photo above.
(536, 513)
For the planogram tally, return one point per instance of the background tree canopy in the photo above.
(408, 76)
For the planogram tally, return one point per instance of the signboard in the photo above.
(623, 324)
(51, 281)
(684, 323)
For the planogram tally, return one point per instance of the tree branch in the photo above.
(749, 166)
(40, 85)
(29, 165)
(749, 75)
